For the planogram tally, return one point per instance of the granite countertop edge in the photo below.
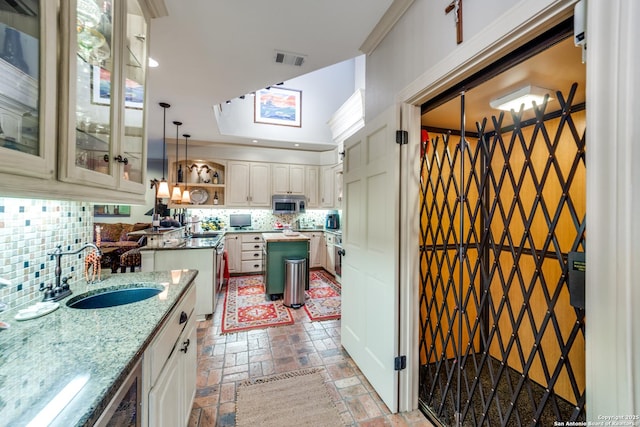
(39, 356)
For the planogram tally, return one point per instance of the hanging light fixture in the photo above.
(186, 196)
(163, 187)
(176, 194)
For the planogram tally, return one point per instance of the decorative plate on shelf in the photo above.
(199, 196)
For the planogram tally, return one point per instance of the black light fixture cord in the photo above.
(186, 159)
(164, 105)
(177, 127)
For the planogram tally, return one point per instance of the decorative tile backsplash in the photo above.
(263, 219)
(29, 230)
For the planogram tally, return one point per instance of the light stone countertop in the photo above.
(283, 237)
(39, 357)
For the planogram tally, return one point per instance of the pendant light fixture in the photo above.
(186, 196)
(163, 187)
(176, 194)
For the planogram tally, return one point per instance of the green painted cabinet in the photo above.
(275, 253)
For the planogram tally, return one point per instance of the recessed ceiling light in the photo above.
(255, 141)
(153, 63)
(524, 95)
(296, 145)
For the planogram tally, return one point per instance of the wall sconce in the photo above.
(525, 95)
(176, 194)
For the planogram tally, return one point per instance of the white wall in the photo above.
(424, 37)
(323, 92)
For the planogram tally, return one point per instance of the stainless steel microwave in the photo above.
(288, 204)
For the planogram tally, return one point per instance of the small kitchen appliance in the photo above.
(332, 221)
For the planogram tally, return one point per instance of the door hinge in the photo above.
(400, 363)
(402, 137)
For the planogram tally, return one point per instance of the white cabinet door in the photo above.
(312, 186)
(296, 180)
(238, 183)
(166, 396)
(249, 184)
(288, 179)
(280, 175)
(317, 249)
(233, 246)
(327, 187)
(28, 98)
(338, 186)
(102, 135)
(330, 259)
(189, 365)
(260, 185)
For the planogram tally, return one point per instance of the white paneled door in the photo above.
(370, 264)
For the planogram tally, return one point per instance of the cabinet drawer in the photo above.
(251, 255)
(253, 246)
(252, 266)
(252, 238)
(163, 344)
(331, 239)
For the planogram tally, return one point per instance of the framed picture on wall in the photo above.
(111, 210)
(278, 106)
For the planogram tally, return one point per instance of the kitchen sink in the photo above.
(115, 295)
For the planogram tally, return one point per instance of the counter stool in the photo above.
(132, 259)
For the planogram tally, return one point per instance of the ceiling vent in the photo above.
(289, 58)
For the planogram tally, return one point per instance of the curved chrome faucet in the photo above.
(62, 290)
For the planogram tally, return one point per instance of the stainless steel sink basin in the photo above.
(115, 295)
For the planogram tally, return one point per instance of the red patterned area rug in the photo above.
(245, 306)
(323, 297)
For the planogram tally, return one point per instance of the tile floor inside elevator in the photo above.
(224, 361)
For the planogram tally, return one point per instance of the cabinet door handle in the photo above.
(106, 158)
(185, 346)
(256, 255)
(183, 317)
(121, 159)
(257, 246)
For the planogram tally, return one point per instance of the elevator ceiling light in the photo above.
(525, 95)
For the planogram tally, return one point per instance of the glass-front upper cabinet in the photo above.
(104, 134)
(28, 42)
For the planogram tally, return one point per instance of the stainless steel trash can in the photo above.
(295, 271)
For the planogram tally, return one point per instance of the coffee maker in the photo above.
(333, 221)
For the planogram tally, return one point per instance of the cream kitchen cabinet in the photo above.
(252, 244)
(327, 187)
(171, 367)
(317, 249)
(57, 135)
(102, 125)
(312, 184)
(28, 95)
(233, 246)
(249, 184)
(244, 252)
(201, 259)
(330, 244)
(288, 179)
(337, 181)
